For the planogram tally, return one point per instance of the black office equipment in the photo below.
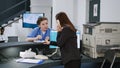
(110, 56)
(94, 11)
(2, 41)
(13, 39)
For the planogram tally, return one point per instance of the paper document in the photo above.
(38, 61)
(38, 41)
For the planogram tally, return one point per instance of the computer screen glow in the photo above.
(30, 19)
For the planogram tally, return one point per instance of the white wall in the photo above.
(16, 29)
(110, 11)
(77, 11)
(22, 32)
(42, 6)
(41, 2)
(62, 5)
(43, 9)
(83, 14)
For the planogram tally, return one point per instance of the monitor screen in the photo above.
(53, 36)
(30, 19)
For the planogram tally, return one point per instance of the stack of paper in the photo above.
(38, 41)
(38, 61)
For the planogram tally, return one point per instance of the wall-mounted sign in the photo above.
(95, 10)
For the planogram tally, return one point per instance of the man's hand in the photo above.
(38, 37)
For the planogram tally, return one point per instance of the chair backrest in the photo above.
(53, 36)
(109, 55)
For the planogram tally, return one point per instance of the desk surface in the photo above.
(6, 48)
(45, 64)
(16, 44)
(12, 49)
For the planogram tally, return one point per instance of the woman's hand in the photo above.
(47, 42)
(59, 28)
(47, 38)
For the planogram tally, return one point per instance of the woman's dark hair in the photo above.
(64, 20)
(41, 19)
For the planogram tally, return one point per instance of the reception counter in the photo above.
(12, 49)
(18, 44)
(46, 64)
(9, 52)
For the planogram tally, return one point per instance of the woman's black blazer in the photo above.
(67, 41)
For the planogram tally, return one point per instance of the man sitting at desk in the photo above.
(41, 32)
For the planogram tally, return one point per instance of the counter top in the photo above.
(14, 44)
(9, 51)
(46, 64)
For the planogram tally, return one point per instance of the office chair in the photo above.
(109, 56)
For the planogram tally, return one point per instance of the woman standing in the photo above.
(67, 41)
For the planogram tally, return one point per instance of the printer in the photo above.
(99, 37)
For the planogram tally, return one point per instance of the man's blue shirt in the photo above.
(37, 31)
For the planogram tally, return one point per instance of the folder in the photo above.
(34, 61)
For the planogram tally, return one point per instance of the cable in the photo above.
(53, 52)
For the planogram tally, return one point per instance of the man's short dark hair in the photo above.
(41, 19)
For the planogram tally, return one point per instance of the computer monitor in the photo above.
(30, 19)
(53, 36)
(12, 38)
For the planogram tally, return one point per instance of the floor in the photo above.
(93, 65)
